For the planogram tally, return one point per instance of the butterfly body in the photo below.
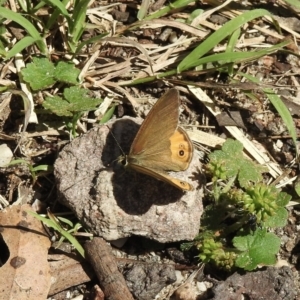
(160, 145)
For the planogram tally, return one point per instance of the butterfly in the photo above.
(160, 145)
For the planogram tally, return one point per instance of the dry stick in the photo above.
(111, 280)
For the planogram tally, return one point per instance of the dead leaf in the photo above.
(26, 271)
(67, 272)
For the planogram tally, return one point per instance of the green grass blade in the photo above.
(55, 225)
(219, 35)
(143, 10)
(107, 116)
(38, 6)
(60, 5)
(235, 57)
(295, 3)
(285, 115)
(78, 23)
(281, 109)
(220, 58)
(18, 161)
(11, 15)
(167, 9)
(45, 168)
(20, 45)
(59, 9)
(231, 46)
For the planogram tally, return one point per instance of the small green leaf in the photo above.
(39, 74)
(58, 106)
(194, 14)
(45, 168)
(283, 199)
(278, 220)
(75, 101)
(230, 162)
(79, 99)
(66, 221)
(259, 249)
(233, 147)
(66, 72)
(107, 116)
(249, 171)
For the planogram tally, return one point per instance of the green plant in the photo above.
(293, 3)
(48, 73)
(168, 8)
(73, 102)
(32, 24)
(202, 59)
(212, 250)
(280, 107)
(33, 37)
(34, 171)
(235, 228)
(66, 231)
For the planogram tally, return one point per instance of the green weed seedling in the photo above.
(34, 171)
(235, 228)
(66, 231)
(41, 73)
(74, 101)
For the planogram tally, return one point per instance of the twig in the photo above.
(111, 280)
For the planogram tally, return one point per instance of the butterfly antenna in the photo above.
(116, 142)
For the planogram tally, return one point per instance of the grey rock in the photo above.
(145, 281)
(271, 283)
(115, 203)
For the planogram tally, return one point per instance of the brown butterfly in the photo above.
(160, 145)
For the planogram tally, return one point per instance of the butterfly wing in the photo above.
(182, 150)
(180, 184)
(159, 145)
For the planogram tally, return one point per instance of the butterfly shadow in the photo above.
(134, 192)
